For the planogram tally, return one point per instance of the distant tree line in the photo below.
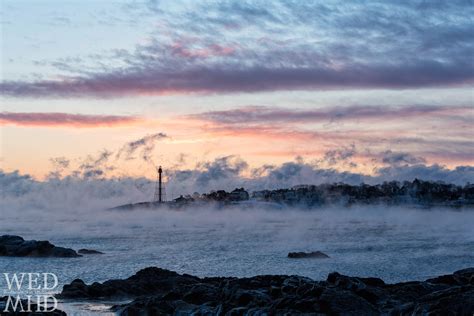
(394, 192)
(390, 193)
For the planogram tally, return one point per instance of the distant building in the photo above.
(261, 195)
(239, 195)
(182, 200)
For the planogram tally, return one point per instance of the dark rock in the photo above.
(457, 300)
(16, 246)
(75, 289)
(335, 301)
(162, 292)
(144, 282)
(461, 277)
(465, 276)
(314, 254)
(89, 252)
(251, 298)
(353, 283)
(200, 293)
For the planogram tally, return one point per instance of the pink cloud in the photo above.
(65, 120)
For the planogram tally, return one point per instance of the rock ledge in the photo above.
(16, 246)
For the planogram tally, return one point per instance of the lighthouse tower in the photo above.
(159, 188)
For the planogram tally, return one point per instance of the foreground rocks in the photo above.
(314, 254)
(161, 292)
(16, 246)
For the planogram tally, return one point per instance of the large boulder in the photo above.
(16, 246)
(145, 282)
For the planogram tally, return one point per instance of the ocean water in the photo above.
(395, 244)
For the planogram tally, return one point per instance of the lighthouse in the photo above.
(159, 187)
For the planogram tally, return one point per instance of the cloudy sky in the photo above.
(113, 88)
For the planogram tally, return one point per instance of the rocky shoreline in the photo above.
(16, 246)
(156, 291)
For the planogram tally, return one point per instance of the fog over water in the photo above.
(396, 244)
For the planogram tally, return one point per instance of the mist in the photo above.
(77, 207)
(394, 243)
(291, 225)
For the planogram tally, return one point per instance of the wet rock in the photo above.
(313, 254)
(16, 246)
(89, 252)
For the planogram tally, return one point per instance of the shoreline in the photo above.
(170, 205)
(156, 291)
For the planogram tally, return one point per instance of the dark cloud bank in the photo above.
(266, 114)
(227, 47)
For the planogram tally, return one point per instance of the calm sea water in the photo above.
(393, 244)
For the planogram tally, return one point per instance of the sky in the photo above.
(214, 90)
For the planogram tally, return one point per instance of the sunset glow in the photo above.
(340, 88)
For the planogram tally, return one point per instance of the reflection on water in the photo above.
(89, 308)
